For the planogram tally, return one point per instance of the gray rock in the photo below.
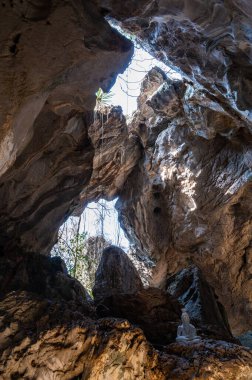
(201, 303)
(115, 274)
(190, 195)
(118, 292)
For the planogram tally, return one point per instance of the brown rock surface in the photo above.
(115, 274)
(54, 169)
(118, 292)
(45, 276)
(187, 201)
(43, 339)
(151, 309)
(54, 57)
(209, 360)
(190, 195)
(49, 340)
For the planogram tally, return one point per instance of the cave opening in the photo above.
(176, 167)
(127, 87)
(82, 239)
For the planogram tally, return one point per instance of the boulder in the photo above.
(153, 310)
(115, 274)
(45, 277)
(118, 292)
(50, 340)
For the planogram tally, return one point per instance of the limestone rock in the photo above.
(209, 359)
(118, 292)
(116, 153)
(46, 340)
(191, 191)
(115, 274)
(50, 340)
(46, 277)
(58, 54)
(151, 309)
(58, 165)
(207, 41)
(185, 195)
(200, 302)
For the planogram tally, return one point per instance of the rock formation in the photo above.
(207, 41)
(181, 169)
(198, 298)
(56, 335)
(191, 192)
(46, 106)
(41, 339)
(115, 274)
(118, 292)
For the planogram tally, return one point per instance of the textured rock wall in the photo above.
(118, 292)
(45, 185)
(190, 196)
(187, 201)
(206, 167)
(208, 41)
(54, 57)
(53, 340)
(200, 301)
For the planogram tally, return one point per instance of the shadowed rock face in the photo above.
(151, 309)
(58, 341)
(198, 298)
(52, 332)
(44, 186)
(208, 41)
(188, 200)
(45, 339)
(115, 274)
(190, 195)
(58, 53)
(45, 276)
(204, 179)
(118, 292)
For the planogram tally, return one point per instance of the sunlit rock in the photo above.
(181, 170)
(191, 192)
(46, 340)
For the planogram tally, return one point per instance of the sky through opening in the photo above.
(124, 93)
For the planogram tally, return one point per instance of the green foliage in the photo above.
(103, 98)
(80, 252)
(78, 245)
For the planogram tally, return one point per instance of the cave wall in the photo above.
(50, 328)
(190, 196)
(58, 53)
(209, 42)
(182, 168)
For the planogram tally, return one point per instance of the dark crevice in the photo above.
(13, 48)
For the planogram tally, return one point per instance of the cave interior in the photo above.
(180, 168)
